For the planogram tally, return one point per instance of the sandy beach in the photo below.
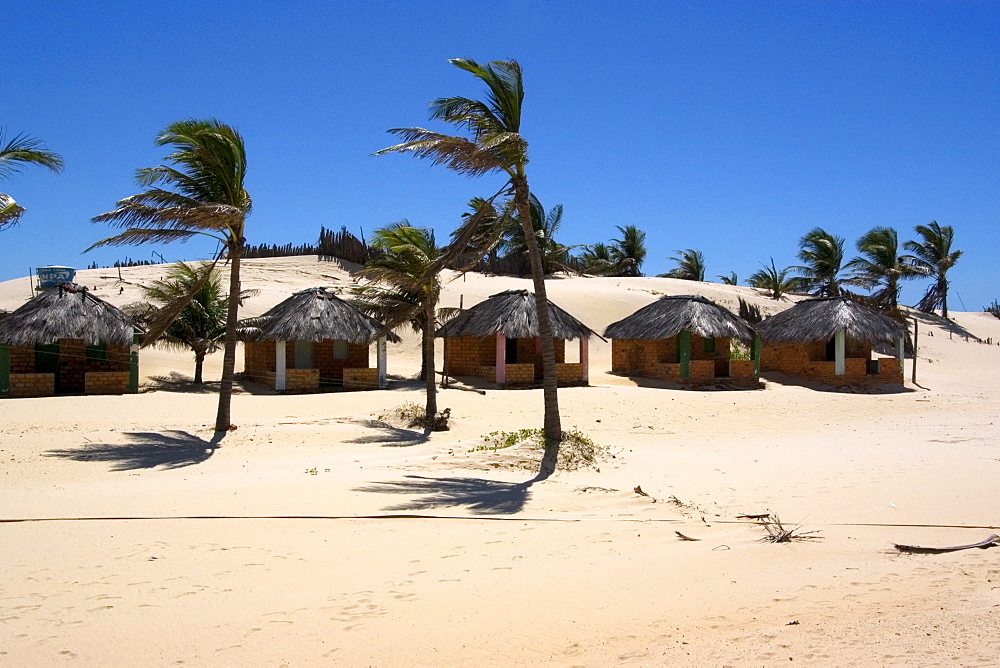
(321, 531)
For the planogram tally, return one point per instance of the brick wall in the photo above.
(808, 360)
(259, 359)
(463, 355)
(646, 358)
(72, 363)
(741, 369)
(520, 374)
(569, 373)
(106, 382)
(700, 371)
(32, 384)
(360, 379)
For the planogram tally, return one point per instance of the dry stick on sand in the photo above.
(777, 533)
(992, 541)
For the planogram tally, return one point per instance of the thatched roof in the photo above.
(67, 311)
(668, 316)
(820, 319)
(512, 313)
(314, 314)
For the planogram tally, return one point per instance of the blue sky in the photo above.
(729, 127)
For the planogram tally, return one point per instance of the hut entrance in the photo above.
(303, 355)
(510, 354)
(831, 350)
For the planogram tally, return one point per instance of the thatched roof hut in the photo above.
(314, 314)
(68, 311)
(670, 315)
(820, 319)
(512, 313)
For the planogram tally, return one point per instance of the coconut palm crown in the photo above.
(494, 145)
(18, 151)
(200, 193)
(822, 256)
(933, 257)
(880, 267)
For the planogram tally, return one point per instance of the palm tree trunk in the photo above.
(199, 362)
(943, 291)
(222, 420)
(552, 427)
(431, 410)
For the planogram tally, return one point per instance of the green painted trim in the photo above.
(133, 373)
(684, 353)
(4, 370)
(755, 354)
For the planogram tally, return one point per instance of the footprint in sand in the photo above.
(415, 573)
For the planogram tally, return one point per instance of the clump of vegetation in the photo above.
(993, 308)
(404, 413)
(779, 533)
(576, 450)
(739, 350)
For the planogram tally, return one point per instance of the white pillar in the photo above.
(840, 367)
(501, 359)
(279, 366)
(585, 360)
(380, 357)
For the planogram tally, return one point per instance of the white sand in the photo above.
(575, 570)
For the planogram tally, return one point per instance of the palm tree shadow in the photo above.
(481, 496)
(172, 449)
(390, 436)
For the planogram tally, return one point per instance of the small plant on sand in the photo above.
(577, 450)
(402, 413)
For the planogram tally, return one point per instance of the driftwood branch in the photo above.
(992, 541)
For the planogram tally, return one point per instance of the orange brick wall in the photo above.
(259, 359)
(645, 357)
(808, 360)
(360, 379)
(72, 363)
(106, 382)
(32, 384)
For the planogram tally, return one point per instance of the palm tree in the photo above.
(405, 291)
(19, 151)
(495, 145)
(690, 266)
(201, 324)
(822, 255)
(629, 252)
(933, 257)
(880, 267)
(731, 279)
(597, 259)
(775, 282)
(202, 193)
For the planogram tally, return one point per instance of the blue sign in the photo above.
(50, 277)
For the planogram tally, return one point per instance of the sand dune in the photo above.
(317, 533)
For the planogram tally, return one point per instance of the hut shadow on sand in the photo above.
(480, 496)
(167, 450)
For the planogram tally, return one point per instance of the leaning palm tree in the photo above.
(404, 291)
(200, 194)
(201, 325)
(773, 281)
(14, 154)
(880, 267)
(629, 252)
(690, 266)
(495, 145)
(729, 279)
(933, 257)
(822, 256)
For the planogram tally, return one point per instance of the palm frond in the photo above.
(22, 150)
